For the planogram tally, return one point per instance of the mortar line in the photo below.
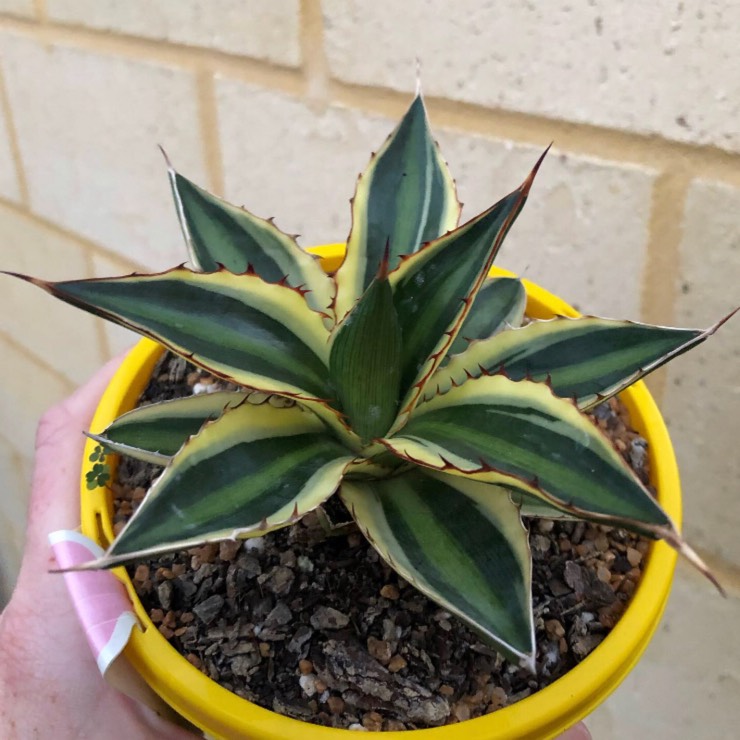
(13, 449)
(570, 137)
(184, 56)
(42, 13)
(208, 121)
(315, 65)
(15, 150)
(82, 241)
(662, 267)
(37, 360)
(577, 138)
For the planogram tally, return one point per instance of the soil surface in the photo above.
(321, 629)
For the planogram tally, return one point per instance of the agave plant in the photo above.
(414, 391)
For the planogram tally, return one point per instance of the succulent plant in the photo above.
(405, 382)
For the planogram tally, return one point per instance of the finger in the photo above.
(577, 732)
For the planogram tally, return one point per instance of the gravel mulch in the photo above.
(321, 629)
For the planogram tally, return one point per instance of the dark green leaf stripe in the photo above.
(588, 359)
(434, 289)
(493, 426)
(165, 427)
(364, 362)
(404, 198)
(459, 541)
(254, 469)
(237, 326)
(498, 306)
(218, 232)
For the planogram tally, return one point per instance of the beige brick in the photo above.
(283, 158)
(580, 213)
(118, 339)
(15, 482)
(64, 336)
(666, 68)
(702, 401)
(250, 28)
(28, 389)
(8, 177)
(21, 8)
(88, 125)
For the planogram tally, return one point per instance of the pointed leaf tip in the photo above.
(712, 329)
(674, 539)
(167, 160)
(527, 184)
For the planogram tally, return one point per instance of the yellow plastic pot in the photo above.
(543, 715)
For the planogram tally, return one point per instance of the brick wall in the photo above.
(277, 105)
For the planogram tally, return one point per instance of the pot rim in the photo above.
(542, 715)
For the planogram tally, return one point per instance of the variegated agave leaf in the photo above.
(460, 544)
(434, 289)
(252, 470)
(587, 359)
(498, 306)
(238, 327)
(156, 432)
(405, 197)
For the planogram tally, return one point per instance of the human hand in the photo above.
(577, 732)
(50, 685)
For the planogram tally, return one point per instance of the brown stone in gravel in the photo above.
(554, 628)
(193, 659)
(280, 580)
(142, 573)
(264, 649)
(498, 698)
(305, 666)
(446, 690)
(642, 546)
(206, 553)
(461, 711)
(393, 725)
(228, 549)
(634, 556)
(396, 663)
(627, 588)
(603, 574)
(335, 704)
(372, 721)
(156, 615)
(167, 633)
(389, 591)
(178, 569)
(380, 649)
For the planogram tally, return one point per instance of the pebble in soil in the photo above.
(321, 629)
